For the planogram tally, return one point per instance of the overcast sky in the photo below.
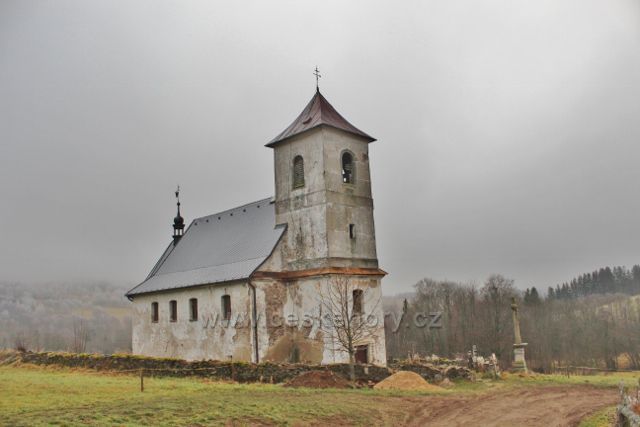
(508, 131)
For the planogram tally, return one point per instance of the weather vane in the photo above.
(178, 194)
(317, 74)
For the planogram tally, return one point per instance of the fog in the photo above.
(508, 131)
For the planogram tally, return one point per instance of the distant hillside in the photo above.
(606, 280)
(624, 308)
(43, 317)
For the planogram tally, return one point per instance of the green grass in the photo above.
(32, 395)
(604, 418)
(630, 379)
(37, 396)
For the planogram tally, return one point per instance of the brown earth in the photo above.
(547, 406)
(318, 379)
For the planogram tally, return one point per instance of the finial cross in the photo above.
(178, 194)
(317, 74)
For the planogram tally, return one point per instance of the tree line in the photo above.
(596, 326)
(603, 281)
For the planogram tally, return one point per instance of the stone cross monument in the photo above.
(519, 362)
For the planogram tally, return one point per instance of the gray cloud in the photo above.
(508, 130)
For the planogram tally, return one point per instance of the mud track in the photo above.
(547, 406)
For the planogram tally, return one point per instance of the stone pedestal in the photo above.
(519, 362)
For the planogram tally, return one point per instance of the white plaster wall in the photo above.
(335, 143)
(349, 203)
(298, 304)
(372, 306)
(302, 209)
(209, 337)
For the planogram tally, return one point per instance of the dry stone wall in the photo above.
(238, 371)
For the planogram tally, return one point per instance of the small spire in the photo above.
(178, 199)
(178, 221)
(317, 74)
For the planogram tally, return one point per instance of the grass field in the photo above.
(38, 396)
(630, 379)
(604, 418)
(58, 396)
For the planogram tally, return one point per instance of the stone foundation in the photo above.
(239, 371)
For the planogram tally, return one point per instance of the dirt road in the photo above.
(532, 406)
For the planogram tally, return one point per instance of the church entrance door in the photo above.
(362, 354)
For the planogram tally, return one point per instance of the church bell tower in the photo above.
(323, 191)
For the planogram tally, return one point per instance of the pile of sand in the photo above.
(406, 380)
(318, 379)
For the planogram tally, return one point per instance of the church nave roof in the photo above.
(217, 248)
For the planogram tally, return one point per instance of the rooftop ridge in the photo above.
(265, 200)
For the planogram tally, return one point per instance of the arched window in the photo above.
(173, 311)
(358, 308)
(298, 172)
(226, 307)
(347, 167)
(193, 309)
(154, 312)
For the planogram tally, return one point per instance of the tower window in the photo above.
(154, 312)
(347, 167)
(173, 311)
(193, 309)
(357, 302)
(298, 172)
(226, 307)
(352, 231)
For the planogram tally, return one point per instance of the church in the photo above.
(248, 283)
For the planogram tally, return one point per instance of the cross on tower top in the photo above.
(317, 74)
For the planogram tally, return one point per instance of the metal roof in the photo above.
(222, 247)
(318, 112)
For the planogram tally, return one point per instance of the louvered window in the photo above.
(347, 168)
(298, 172)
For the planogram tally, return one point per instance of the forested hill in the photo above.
(51, 316)
(606, 280)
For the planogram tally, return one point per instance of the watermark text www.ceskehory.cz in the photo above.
(420, 320)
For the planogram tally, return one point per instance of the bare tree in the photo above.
(348, 316)
(80, 336)
(20, 342)
(497, 293)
